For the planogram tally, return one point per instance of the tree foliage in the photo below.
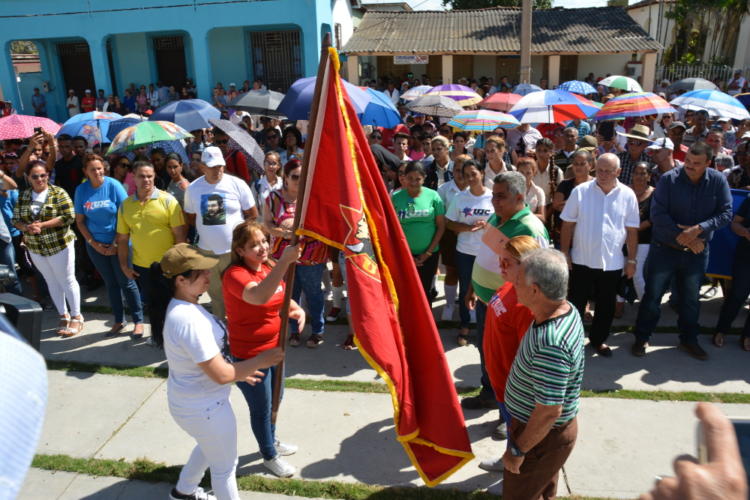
(23, 47)
(483, 4)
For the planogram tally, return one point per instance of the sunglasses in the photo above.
(38, 176)
(222, 141)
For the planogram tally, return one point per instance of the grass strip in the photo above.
(713, 397)
(146, 470)
(126, 371)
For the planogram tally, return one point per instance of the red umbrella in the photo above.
(500, 101)
(22, 126)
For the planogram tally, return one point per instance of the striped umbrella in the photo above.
(577, 87)
(483, 120)
(552, 106)
(715, 102)
(622, 83)
(634, 104)
(415, 92)
(461, 94)
(500, 101)
(526, 88)
(146, 133)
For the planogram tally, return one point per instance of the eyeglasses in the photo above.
(38, 176)
(294, 177)
(222, 141)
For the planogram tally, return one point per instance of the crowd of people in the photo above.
(630, 205)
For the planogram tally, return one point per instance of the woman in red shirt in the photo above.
(253, 296)
(506, 324)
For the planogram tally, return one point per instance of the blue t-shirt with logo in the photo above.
(100, 206)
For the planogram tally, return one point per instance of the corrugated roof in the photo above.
(604, 30)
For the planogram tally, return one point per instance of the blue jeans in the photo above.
(737, 295)
(464, 264)
(486, 392)
(117, 285)
(259, 398)
(8, 258)
(309, 279)
(662, 265)
(504, 413)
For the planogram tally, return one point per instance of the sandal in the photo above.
(314, 341)
(138, 330)
(74, 330)
(63, 325)
(718, 339)
(349, 344)
(116, 329)
(294, 340)
(745, 343)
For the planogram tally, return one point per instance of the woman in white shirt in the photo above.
(467, 217)
(199, 376)
(535, 198)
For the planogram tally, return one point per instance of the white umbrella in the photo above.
(415, 92)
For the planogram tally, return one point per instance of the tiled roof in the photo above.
(603, 30)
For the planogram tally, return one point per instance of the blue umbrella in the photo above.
(578, 87)
(190, 114)
(297, 103)
(526, 88)
(93, 125)
(116, 126)
(381, 111)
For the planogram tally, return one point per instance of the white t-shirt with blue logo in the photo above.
(468, 209)
(100, 205)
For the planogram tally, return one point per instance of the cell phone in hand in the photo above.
(38, 130)
(742, 430)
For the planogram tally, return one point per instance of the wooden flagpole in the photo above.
(278, 377)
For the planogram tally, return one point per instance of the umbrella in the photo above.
(244, 141)
(415, 92)
(715, 102)
(461, 94)
(744, 99)
(634, 104)
(297, 103)
(259, 102)
(384, 158)
(552, 106)
(577, 87)
(380, 111)
(688, 84)
(190, 114)
(483, 120)
(22, 126)
(526, 88)
(145, 133)
(500, 101)
(435, 105)
(622, 83)
(166, 146)
(117, 126)
(94, 125)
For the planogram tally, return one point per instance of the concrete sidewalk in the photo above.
(349, 437)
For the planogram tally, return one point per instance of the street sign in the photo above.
(411, 59)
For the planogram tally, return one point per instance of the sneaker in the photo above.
(492, 465)
(285, 449)
(448, 311)
(500, 433)
(200, 494)
(314, 341)
(478, 403)
(279, 467)
(333, 314)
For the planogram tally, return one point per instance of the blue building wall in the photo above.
(215, 34)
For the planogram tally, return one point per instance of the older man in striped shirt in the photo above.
(544, 384)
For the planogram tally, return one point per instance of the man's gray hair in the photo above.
(547, 268)
(610, 158)
(515, 180)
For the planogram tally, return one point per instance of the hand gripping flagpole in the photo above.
(278, 376)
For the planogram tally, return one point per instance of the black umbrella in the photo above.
(384, 158)
(688, 84)
(259, 102)
(244, 141)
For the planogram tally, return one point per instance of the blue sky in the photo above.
(437, 4)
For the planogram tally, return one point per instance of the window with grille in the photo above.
(277, 59)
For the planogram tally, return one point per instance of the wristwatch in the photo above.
(515, 451)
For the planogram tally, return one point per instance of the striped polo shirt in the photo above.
(548, 368)
(485, 275)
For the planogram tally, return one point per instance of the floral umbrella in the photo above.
(146, 133)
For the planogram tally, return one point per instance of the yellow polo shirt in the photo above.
(149, 225)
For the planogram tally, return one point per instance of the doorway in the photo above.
(276, 58)
(75, 63)
(171, 68)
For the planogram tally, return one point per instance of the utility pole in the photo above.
(526, 41)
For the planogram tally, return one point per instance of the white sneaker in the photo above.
(200, 494)
(448, 310)
(285, 449)
(279, 467)
(492, 465)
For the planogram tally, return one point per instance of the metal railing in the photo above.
(710, 72)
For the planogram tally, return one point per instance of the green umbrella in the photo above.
(622, 83)
(145, 133)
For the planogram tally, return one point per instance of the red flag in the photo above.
(347, 206)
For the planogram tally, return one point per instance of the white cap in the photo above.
(88, 91)
(662, 143)
(232, 84)
(213, 157)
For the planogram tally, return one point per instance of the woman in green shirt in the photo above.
(422, 215)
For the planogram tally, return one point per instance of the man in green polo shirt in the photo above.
(511, 218)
